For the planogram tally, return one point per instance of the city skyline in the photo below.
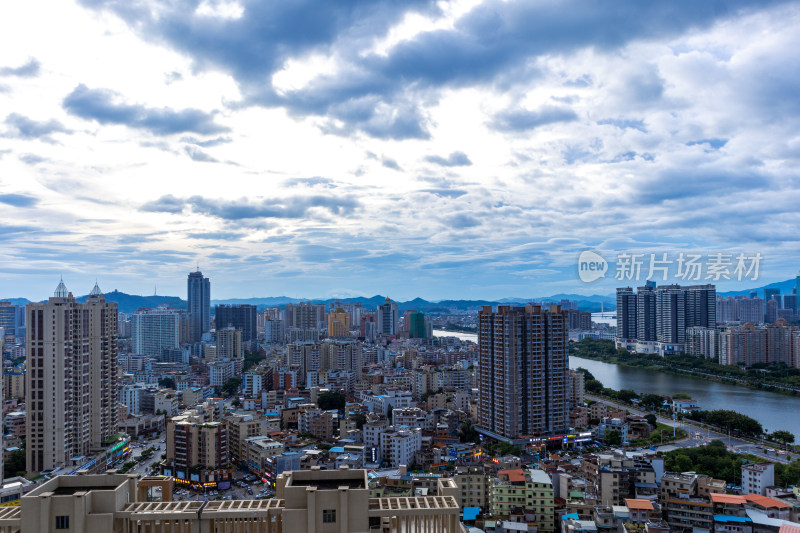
(460, 149)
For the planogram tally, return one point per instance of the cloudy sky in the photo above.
(452, 149)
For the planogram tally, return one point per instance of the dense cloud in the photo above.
(289, 207)
(522, 119)
(105, 107)
(25, 128)
(18, 200)
(372, 93)
(456, 159)
(28, 70)
(501, 139)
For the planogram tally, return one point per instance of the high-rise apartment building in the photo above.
(367, 327)
(790, 302)
(339, 323)
(8, 320)
(229, 344)
(626, 313)
(701, 305)
(743, 346)
(197, 452)
(780, 342)
(750, 310)
(155, 330)
(523, 371)
(243, 317)
(770, 293)
(646, 313)
(773, 305)
(340, 355)
(199, 302)
(304, 315)
(417, 328)
(71, 389)
(655, 319)
(727, 309)
(2, 444)
(579, 320)
(387, 318)
(671, 315)
(797, 285)
(703, 342)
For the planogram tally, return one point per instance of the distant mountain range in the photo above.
(784, 286)
(128, 303)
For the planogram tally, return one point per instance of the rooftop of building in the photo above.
(639, 505)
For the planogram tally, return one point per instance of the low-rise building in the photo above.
(473, 485)
(316, 422)
(242, 426)
(398, 445)
(757, 477)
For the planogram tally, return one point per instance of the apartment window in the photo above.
(62, 522)
(328, 516)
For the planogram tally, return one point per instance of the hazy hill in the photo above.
(784, 286)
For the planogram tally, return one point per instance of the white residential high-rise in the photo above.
(155, 330)
(387, 318)
(71, 389)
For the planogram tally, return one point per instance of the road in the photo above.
(734, 444)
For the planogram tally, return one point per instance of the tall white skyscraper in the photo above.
(71, 389)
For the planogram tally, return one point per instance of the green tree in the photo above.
(612, 437)
(166, 383)
(360, 419)
(724, 418)
(251, 359)
(683, 463)
(231, 387)
(14, 464)
(651, 401)
(651, 419)
(331, 400)
(712, 460)
(784, 437)
(593, 386)
(626, 395)
(468, 433)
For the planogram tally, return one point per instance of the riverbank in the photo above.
(667, 368)
(772, 378)
(774, 411)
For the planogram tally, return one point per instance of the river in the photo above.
(774, 411)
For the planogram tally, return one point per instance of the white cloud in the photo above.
(658, 139)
